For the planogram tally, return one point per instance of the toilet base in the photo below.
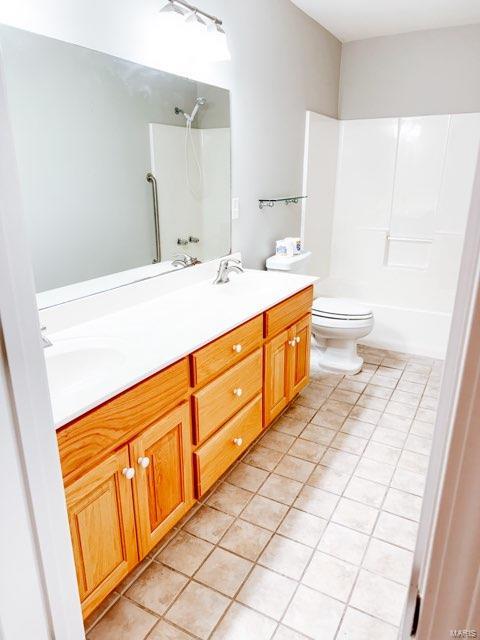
(339, 356)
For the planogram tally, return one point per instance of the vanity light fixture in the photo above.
(205, 29)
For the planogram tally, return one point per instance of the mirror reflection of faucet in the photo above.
(191, 240)
(46, 342)
(184, 260)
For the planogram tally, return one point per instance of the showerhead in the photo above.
(199, 102)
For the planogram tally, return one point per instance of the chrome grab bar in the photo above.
(156, 216)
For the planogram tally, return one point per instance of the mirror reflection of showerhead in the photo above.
(191, 147)
(199, 102)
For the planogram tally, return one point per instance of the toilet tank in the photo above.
(289, 264)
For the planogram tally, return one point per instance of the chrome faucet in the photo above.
(184, 260)
(45, 341)
(225, 267)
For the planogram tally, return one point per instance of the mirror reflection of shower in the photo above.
(190, 143)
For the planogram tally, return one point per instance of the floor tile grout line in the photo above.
(389, 486)
(291, 505)
(278, 533)
(345, 605)
(378, 515)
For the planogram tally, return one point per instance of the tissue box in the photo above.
(294, 246)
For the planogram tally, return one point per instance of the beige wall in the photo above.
(419, 73)
(283, 63)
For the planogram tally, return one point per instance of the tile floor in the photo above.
(311, 534)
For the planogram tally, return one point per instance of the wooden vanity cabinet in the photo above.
(120, 509)
(102, 526)
(162, 487)
(133, 466)
(276, 381)
(287, 354)
(212, 459)
(92, 436)
(286, 368)
(226, 351)
(223, 398)
(300, 333)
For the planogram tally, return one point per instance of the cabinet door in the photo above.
(102, 525)
(276, 377)
(163, 489)
(300, 334)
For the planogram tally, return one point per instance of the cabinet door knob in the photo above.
(292, 343)
(297, 339)
(238, 392)
(144, 461)
(128, 472)
(237, 348)
(238, 441)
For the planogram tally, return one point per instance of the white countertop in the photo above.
(94, 361)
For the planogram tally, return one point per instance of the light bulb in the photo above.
(171, 7)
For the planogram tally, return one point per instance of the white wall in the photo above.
(402, 198)
(320, 169)
(283, 63)
(420, 73)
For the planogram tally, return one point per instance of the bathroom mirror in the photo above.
(121, 166)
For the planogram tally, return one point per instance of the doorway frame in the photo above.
(448, 583)
(30, 402)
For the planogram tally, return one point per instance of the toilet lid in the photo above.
(340, 309)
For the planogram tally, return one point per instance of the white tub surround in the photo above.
(319, 181)
(402, 194)
(108, 352)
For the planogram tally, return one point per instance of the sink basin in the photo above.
(75, 363)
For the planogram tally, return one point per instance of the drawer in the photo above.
(91, 437)
(288, 312)
(225, 352)
(213, 458)
(221, 399)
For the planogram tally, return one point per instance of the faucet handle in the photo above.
(228, 260)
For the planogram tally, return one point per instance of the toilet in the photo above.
(337, 323)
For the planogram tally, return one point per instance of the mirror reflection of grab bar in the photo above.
(405, 239)
(156, 216)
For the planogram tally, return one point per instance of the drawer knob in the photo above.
(297, 339)
(144, 461)
(238, 441)
(238, 392)
(237, 348)
(128, 472)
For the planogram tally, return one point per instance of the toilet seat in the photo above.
(340, 309)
